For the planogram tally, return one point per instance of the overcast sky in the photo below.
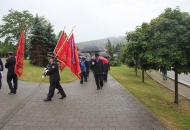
(94, 19)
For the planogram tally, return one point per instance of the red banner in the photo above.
(20, 55)
(72, 57)
(58, 50)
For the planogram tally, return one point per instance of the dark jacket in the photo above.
(98, 67)
(53, 72)
(1, 65)
(87, 65)
(106, 67)
(10, 64)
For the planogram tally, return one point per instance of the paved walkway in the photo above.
(84, 108)
(183, 88)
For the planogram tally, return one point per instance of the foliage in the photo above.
(13, 23)
(163, 44)
(115, 63)
(109, 49)
(37, 50)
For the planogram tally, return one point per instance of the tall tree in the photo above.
(37, 44)
(109, 48)
(51, 38)
(13, 23)
(171, 42)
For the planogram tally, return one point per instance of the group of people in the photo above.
(99, 69)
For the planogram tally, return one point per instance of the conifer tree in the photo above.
(37, 52)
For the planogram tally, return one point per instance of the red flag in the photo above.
(58, 49)
(20, 55)
(72, 57)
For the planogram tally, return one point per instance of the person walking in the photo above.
(87, 68)
(164, 74)
(83, 70)
(11, 75)
(106, 69)
(54, 78)
(1, 69)
(98, 69)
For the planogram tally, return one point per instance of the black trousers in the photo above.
(99, 80)
(0, 83)
(82, 75)
(52, 87)
(105, 76)
(13, 87)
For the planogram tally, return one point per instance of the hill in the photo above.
(103, 42)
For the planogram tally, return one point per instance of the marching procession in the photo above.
(64, 54)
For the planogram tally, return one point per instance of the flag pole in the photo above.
(60, 37)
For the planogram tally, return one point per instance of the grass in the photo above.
(158, 99)
(34, 74)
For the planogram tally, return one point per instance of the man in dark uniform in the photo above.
(98, 69)
(10, 64)
(1, 69)
(54, 78)
(48, 65)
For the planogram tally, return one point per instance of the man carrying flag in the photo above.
(15, 66)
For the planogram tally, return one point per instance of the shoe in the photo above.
(98, 88)
(62, 97)
(45, 100)
(10, 93)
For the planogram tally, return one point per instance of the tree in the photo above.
(13, 23)
(109, 48)
(171, 42)
(37, 44)
(51, 38)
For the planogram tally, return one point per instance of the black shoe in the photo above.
(45, 100)
(10, 93)
(62, 97)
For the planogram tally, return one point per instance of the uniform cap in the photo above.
(83, 57)
(10, 53)
(50, 56)
(96, 54)
(51, 53)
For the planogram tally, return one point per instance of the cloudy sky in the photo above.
(94, 19)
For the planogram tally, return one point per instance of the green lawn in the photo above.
(34, 74)
(155, 97)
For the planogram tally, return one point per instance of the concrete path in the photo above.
(84, 108)
(183, 89)
(182, 78)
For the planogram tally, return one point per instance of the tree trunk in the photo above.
(176, 87)
(143, 76)
(136, 67)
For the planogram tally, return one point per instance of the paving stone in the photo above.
(84, 108)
